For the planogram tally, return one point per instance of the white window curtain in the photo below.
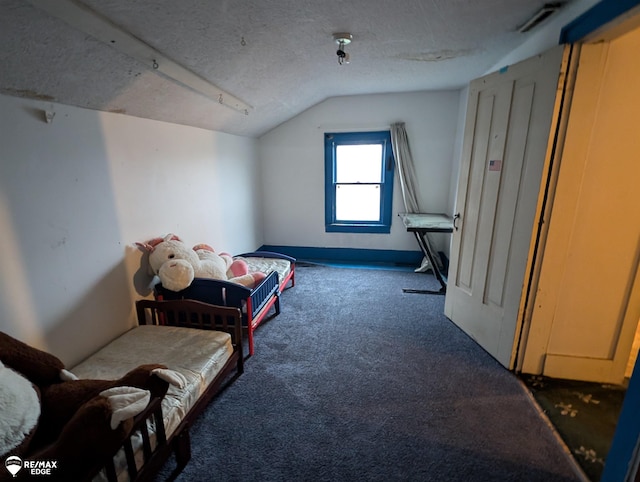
(404, 167)
(407, 174)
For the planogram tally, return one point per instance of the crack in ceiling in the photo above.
(436, 56)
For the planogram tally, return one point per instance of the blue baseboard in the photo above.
(349, 255)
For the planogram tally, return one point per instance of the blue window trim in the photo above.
(331, 141)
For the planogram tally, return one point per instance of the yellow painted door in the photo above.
(587, 304)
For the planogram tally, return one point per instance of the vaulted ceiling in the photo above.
(245, 66)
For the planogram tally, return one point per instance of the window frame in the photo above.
(331, 141)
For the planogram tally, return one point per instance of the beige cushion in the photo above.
(197, 354)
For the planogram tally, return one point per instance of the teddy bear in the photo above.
(47, 414)
(176, 265)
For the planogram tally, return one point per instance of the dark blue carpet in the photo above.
(357, 381)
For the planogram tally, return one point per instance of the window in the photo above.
(358, 182)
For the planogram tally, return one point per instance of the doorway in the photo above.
(585, 306)
(582, 310)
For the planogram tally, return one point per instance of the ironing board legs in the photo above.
(427, 250)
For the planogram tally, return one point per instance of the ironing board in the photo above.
(421, 224)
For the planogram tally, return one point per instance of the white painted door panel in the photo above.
(505, 142)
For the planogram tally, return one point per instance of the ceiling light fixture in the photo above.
(342, 39)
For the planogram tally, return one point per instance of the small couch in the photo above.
(200, 341)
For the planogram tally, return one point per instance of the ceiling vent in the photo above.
(540, 16)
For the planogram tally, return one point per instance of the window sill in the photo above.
(357, 228)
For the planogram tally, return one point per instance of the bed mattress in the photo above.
(198, 355)
(267, 265)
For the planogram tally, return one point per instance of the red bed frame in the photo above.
(254, 303)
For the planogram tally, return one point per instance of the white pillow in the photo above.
(19, 409)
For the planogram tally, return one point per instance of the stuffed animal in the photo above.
(177, 265)
(47, 414)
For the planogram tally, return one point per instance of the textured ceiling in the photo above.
(278, 56)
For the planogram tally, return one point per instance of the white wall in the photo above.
(76, 193)
(292, 161)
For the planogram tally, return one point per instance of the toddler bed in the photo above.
(254, 303)
(199, 341)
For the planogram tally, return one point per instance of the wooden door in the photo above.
(587, 303)
(509, 117)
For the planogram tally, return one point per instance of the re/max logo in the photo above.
(40, 464)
